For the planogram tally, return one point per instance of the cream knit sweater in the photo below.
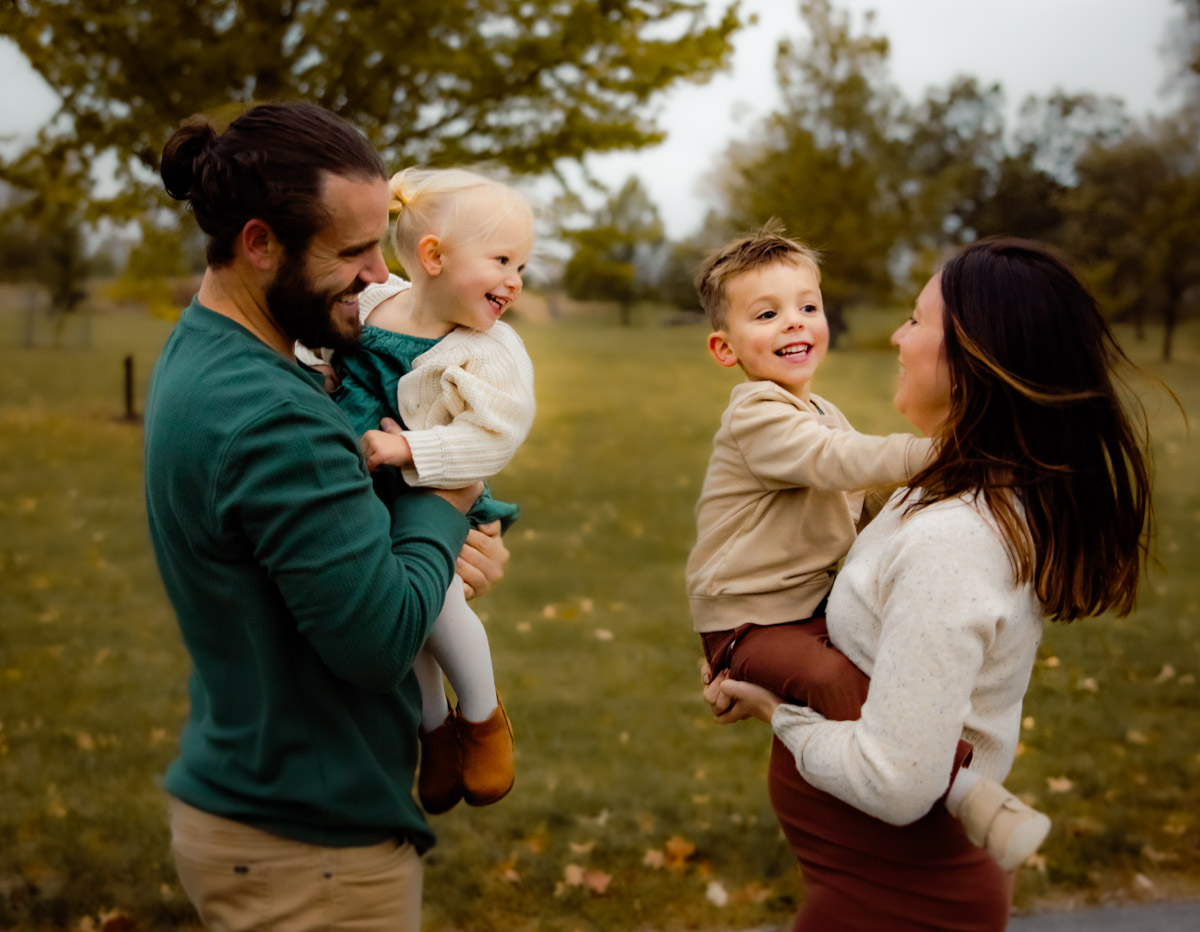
(927, 607)
(467, 403)
(780, 504)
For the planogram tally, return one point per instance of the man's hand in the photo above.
(481, 563)
(463, 498)
(386, 446)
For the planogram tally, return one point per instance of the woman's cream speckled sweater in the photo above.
(927, 607)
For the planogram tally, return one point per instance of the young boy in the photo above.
(783, 499)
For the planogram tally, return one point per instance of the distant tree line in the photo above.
(882, 185)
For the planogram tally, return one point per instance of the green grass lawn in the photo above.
(631, 807)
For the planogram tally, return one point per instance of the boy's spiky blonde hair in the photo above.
(764, 247)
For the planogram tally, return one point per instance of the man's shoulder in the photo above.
(229, 379)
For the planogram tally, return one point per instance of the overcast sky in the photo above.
(1112, 47)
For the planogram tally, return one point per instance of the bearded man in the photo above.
(301, 597)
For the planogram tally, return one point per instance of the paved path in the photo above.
(1181, 916)
(1152, 917)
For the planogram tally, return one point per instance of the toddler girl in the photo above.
(435, 357)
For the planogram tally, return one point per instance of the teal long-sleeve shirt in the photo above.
(302, 598)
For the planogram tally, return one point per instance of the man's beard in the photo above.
(307, 316)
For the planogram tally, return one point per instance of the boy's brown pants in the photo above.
(797, 661)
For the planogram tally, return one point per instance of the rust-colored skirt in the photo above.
(863, 874)
(859, 873)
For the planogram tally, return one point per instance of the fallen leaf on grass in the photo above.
(114, 920)
(715, 893)
(1154, 856)
(506, 870)
(84, 741)
(109, 920)
(1133, 736)
(1037, 862)
(678, 851)
(1166, 673)
(1088, 685)
(581, 847)
(596, 881)
(549, 611)
(603, 634)
(754, 892)
(1052, 661)
(654, 858)
(1060, 784)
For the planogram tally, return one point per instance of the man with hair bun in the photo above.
(301, 597)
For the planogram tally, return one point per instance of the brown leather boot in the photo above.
(440, 782)
(487, 757)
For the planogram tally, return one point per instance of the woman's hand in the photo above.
(481, 563)
(746, 700)
(712, 691)
(734, 700)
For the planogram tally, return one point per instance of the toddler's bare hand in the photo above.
(386, 447)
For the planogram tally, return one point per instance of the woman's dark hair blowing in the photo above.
(1038, 417)
(269, 164)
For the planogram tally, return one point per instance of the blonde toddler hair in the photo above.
(446, 202)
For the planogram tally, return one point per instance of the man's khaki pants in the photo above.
(240, 878)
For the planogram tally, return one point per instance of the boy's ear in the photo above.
(722, 352)
(429, 254)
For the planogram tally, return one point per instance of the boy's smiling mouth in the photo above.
(498, 302)
(794, 349)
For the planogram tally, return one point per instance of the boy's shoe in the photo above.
(440, 782)
(995, 819)
(487, 757)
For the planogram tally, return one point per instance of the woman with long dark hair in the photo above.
(1037, 504)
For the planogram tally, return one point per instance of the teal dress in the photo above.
(369, 373)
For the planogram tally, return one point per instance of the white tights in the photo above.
(458, 646)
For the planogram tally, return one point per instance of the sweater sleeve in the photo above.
(363, 584)
(476, 403)
(945, 593)
(785, 446)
